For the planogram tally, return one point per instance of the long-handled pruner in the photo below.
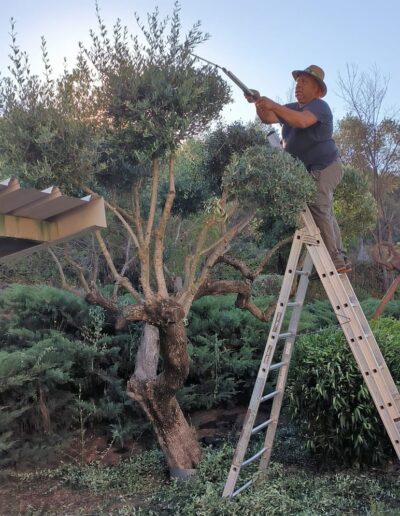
(247, 91)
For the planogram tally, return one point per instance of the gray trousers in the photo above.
(326, 181)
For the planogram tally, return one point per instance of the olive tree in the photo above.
(135, 101)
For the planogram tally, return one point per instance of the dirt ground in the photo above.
(50, 498)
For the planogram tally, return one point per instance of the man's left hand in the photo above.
(265, 104)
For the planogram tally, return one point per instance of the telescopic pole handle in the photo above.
(247, 91)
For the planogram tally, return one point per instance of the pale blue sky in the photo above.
(260, 41)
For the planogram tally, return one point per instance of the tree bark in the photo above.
(155, 393)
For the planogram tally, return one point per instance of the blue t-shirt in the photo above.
(314, 145)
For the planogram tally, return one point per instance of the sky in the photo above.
(260, 41)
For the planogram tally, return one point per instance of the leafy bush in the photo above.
(60, 370)
(330, 400)
(267, 285)
(226, 345)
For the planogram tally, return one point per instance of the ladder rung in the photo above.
(260, 427)
(254, 457)
(302, 273)
(285, 335)
(269, 396)
(278, 365)
(247, 484)
(294, 303)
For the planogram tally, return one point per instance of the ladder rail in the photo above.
(287, 354)
(265, 365)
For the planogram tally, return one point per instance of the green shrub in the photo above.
(267, 285)
(330, 400)
(225, 346)
(60, 370)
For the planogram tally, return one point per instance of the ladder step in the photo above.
(302, 273)
(246, 485)
(278, 365)
(269, 396)
(285, 335)
(294, 303)
(260, 427)
(254, 457)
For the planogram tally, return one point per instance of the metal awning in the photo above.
(31, 219)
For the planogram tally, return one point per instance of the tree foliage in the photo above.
(369, 139)
(270, 180)
(355, 206)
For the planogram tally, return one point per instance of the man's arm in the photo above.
(271, 112)
(267, 116)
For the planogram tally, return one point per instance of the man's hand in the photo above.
(265, 110)
(265, 104)
(254, 97)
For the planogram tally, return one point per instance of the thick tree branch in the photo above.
(237, 264)
(223, 287)
(189, 292)
(95, 268)
(144, 249)
(155, 179)
(247, 304)
(94, 297)
(160, 233)
(243, 289)
(137, 216)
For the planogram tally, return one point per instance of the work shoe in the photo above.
(344, 269)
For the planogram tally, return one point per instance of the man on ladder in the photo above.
(307, 128)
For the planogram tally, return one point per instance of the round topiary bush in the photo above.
(331, 402)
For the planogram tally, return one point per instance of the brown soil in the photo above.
(50, 498)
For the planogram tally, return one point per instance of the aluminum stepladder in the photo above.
(355, 328)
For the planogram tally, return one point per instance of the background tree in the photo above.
(369, 141)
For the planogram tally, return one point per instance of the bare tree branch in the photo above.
(122, 280)
(112, 206)
(125, 267)
(270, 253)
(64, 282)
(77, 267)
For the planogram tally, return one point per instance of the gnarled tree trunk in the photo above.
(155, 393)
